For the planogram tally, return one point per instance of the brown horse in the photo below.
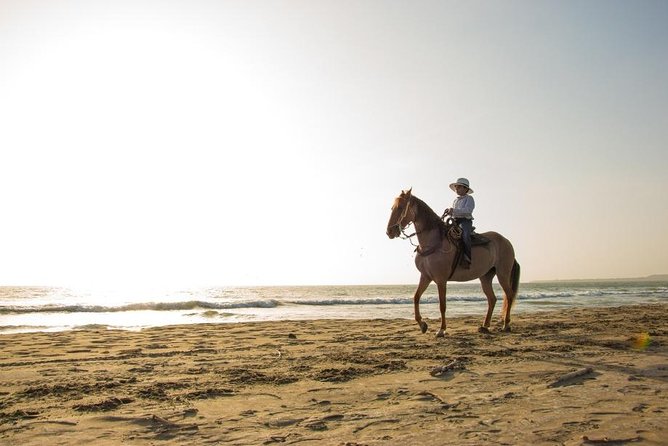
(437, 259)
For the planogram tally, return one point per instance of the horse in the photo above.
(438, 256)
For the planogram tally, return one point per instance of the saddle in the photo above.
(454, 233)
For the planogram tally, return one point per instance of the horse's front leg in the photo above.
(424, 283)
(442, 287)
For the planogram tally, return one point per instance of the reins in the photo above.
(409, 237)
(453, 234)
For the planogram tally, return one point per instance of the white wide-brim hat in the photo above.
(461, 182)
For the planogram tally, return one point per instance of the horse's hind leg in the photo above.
(509, 283)
(488, 289)
(505, 309)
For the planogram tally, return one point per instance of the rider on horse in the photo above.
(462, 213)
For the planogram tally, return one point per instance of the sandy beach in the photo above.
(574, 377)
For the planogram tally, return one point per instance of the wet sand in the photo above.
(577, 377)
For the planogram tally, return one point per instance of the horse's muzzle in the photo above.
(393, 231)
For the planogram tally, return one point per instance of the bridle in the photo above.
(403, 229)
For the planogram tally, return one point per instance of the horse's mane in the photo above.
(431, 219)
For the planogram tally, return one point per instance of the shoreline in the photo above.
(573, 377)
(27, 310)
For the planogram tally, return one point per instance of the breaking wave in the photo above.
(147, 306)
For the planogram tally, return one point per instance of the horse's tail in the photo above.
(515, 281)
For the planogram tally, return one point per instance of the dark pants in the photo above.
(467, 226)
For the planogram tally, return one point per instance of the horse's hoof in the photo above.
(440, 334)
(482, 329)
(507, 329)
(423, 326)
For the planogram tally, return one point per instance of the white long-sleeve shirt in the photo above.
(463, 206)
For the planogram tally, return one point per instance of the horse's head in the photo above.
(401, 215)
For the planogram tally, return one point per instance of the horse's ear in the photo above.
(408, 192)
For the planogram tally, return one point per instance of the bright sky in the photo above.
(192, 142)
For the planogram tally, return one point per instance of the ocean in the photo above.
(29, 309)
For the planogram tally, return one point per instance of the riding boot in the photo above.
(466, 225)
